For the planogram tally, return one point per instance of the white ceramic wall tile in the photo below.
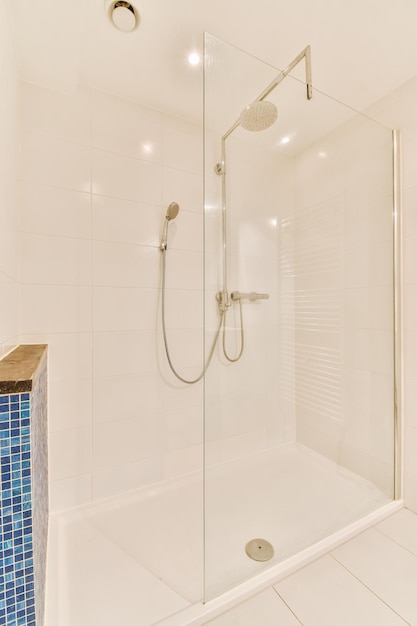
(126, 222)
(356, 226)
(106, 483)
(71, 260)
(409, 158)
(40, 163)
(410, 307)
(127, 178)
(387, 569)
(310, 168)
(356, 268)
(62, 116)
(183, 187)
(184, 269)
(124, 353)
(122, 442)
(54, 211)
(10, 245)
(324, 594)
(241, 445)
(118, 308)
(126, 265)
(410, 401)
(125, 397)
(410, 451)
(182, 145)
(370, 179)
(182, 428)
(186, 232)
(266, 608)
(55, 309)
(70, 492)
(9, 144)
(69, 404)
(357, 349)
(410, 356)
(9, 322)
(126, 128)
(380, 351)
(186, 349)
(389, 110)
(355, 308)
(183, 461)
(70, 452)
(319, 433)
(183, 309)
(409, 211)
(408, 93)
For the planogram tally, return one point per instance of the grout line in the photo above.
(400, 545)
(287, 605)
(369, 588)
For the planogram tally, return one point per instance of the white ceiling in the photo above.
(361, 49)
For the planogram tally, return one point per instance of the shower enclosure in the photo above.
(299, 432)
(194, 493)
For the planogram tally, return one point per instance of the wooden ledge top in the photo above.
(19, 367)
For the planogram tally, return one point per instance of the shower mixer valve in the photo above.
(224, 301)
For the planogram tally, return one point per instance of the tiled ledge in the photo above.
(18, 369)
(24, 485)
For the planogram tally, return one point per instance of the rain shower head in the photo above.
(172, 211)
(259, 115)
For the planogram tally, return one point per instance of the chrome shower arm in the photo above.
(306, 53)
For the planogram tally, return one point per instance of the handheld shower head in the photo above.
(258, 115)
(171, 214)
(172, 211)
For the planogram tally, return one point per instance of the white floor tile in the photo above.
(386, 568)
(324, 594)
(402, 528)
(264, 609)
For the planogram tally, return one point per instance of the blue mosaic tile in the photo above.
(17, 602)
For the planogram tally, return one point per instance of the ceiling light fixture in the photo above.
(123, 15)
(194, 58)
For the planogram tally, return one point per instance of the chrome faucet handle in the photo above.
(251, 296)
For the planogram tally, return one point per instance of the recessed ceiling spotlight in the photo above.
(194, 58)
(123, 15)
(285, 140)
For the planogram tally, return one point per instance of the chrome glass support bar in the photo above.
(398, 323)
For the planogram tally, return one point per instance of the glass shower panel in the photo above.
(299, 395)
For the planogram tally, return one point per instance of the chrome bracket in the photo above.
(223, 300)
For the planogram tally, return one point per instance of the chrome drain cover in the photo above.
(259, 550)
